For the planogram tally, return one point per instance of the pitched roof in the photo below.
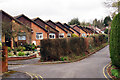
(80, 28)
(71, 28)
(44, 23)
(22, 15)
(64, 26)
(56, 25)
(12, 18)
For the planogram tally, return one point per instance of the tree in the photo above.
(98, 23)
(115, 41)
(74, 21)
(83, 23)
(95, 22)
(107, 21)
(114, 5)
(11, 30)
(106, 31)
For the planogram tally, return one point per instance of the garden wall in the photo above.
(53, 49)
(21, 57)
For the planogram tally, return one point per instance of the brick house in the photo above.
(14, 31)
(62, 32)
(72, 29)
(81, 30)
(89, 32)
(38, 32)
(70, 32)
(52, 32)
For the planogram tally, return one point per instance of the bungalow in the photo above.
(81, 30)
(14, 33)
(52, 32)
(70, 32)
(72, 29)
(62, 32)
(38, 32)
(88, 30)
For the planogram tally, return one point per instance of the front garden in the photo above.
(23, 51)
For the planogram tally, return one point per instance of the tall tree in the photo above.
(107, 21)
(74, 21)
(114, 5)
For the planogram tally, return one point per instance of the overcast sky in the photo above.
(56, 10)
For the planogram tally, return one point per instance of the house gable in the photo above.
(64, 27)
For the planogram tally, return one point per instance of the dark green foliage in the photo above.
(74, 21)
(20, 48)
(106, 31)
(115, 41)
(30, 47)
(57, 48)
(9, 49)
(21, 54)
(107, 20)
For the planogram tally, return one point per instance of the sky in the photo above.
(57, 10)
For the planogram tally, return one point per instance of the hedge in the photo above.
(53, 49)
(115, 41)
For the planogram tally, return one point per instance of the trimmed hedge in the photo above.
(54, 49)
(115, 41)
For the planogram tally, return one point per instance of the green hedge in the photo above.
(54, 49)
(115, 41)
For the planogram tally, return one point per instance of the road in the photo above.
(91, 67)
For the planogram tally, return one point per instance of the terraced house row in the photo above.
(33, 30)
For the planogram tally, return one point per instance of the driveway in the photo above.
(91, 67)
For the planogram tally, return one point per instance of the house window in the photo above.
(83, 35)
(61, 35)
(21, 37)
(39, 35)
(52, 35)
(68, 35)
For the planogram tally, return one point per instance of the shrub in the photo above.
(10, 54)
(115, 41)
(21, 54)
(74, 35)
(28, 47)
(20, 48)
(9, 49)
(106, 31)
(56, 49)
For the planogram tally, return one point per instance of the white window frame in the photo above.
(52, 34)
(39, 34)
(22, 37)
(68, 34)
(61, 34)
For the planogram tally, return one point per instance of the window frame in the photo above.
(39, 35)
(53, 34)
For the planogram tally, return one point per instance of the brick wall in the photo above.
(37, 29)
(61, 31)
(75, 32)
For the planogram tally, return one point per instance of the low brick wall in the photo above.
(21, 57)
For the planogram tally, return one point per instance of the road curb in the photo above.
(105, 72)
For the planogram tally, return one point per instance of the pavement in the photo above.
(22, 62)
(14, 75)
